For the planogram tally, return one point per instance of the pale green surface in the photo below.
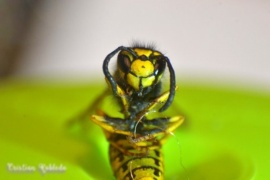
(225, 135)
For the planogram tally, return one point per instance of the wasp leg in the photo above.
(157, 129)
(124, 100)
(153, 105)
(163, 124)
(112, 125)
(174, 122)
(120, 93)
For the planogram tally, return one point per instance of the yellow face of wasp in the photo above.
(141, 70)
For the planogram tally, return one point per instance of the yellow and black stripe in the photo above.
(127, 167)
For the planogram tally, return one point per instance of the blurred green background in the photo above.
(225, 134)
(223, 46)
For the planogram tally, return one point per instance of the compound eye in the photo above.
(123, 62)
(160, 66)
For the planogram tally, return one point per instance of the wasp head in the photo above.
(140, 68)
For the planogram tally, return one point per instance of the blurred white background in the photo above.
(213, 39)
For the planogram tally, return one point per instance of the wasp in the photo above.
(136, 135)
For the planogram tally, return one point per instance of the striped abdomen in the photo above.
(140, 167)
